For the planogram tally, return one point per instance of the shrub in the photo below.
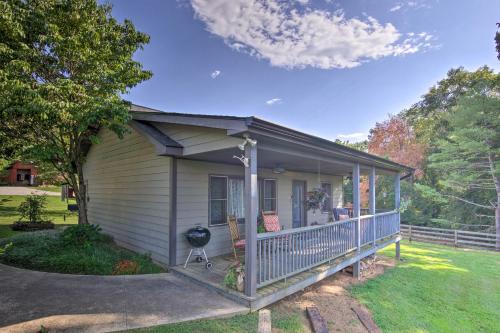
(47, 251)
(32, 208)
(82, 235)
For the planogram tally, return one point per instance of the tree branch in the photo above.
(469, 202)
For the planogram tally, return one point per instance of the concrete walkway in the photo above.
(80, 303)
(20, 190)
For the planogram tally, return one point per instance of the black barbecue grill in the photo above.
(198, 237)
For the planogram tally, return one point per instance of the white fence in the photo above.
(457, 238)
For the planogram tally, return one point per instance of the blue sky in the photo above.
(326, 67)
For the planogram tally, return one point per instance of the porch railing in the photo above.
(288, 252)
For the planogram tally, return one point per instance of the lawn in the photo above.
(56, 212)
(436, 289)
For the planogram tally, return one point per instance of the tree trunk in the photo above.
(81, 196)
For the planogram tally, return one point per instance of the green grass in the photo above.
(436, 289)
(238, 324)
(46, 251)
(56, 211)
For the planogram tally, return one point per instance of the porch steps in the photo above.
(281, 289)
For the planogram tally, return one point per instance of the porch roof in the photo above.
(287, 147)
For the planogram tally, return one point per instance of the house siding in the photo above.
(128, 190)
(196, 139)
(192, 201)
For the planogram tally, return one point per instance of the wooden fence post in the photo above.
(410, 234)
(456, 238)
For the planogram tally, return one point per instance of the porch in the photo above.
(291, 260)
(220, 166)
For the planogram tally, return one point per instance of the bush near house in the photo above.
(79, 249)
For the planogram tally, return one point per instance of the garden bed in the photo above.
(49, 251)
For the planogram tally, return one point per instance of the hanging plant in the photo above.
(316, 199)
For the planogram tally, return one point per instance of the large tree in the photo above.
(63, 67)
(395, 139)
(429, 116)
(468, 158)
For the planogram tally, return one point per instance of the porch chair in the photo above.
(271, 221)
(236, 240)
(341, 214)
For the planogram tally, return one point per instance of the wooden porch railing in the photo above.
(288, 252)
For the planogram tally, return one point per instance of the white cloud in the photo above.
(215, 74)
(410, 5)
(353, 137)
(273, 101)
(297, 38)
(395, 8)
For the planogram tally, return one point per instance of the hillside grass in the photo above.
(435, 289)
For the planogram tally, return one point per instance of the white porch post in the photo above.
(356, 213)
(372, 200)
(251, 211)
(397, 204)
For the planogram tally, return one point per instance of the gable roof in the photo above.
(237, 126)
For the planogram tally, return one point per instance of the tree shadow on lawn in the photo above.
(7, 210)
(448, 290)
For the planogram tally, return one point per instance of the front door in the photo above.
(298, 203)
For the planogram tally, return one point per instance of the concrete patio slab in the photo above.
(85, 303)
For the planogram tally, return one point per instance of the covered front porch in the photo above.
(280, 263)
(282, 271)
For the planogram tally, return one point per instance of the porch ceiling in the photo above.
(271, 157)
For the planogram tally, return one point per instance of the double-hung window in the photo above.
(217, 200)
(268, 195)
(226, 196)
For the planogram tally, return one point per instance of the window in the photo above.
(236, 204)
(226, 196)
(327, 207)
(268, 194)
(217, 200)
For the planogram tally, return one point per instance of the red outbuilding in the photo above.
(21, 174)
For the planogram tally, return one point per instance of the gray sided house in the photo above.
(173, 171)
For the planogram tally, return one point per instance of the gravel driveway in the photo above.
(20, 190)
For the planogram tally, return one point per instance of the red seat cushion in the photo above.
(271, 223)
(240, 243)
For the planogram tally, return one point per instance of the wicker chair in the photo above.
(238, 243)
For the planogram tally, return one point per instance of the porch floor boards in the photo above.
(213, 278)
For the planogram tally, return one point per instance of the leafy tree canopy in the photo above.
(428, 116)
(468, 158)
(63, 67)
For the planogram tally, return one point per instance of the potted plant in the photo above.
(315, 199)
(235, 276)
